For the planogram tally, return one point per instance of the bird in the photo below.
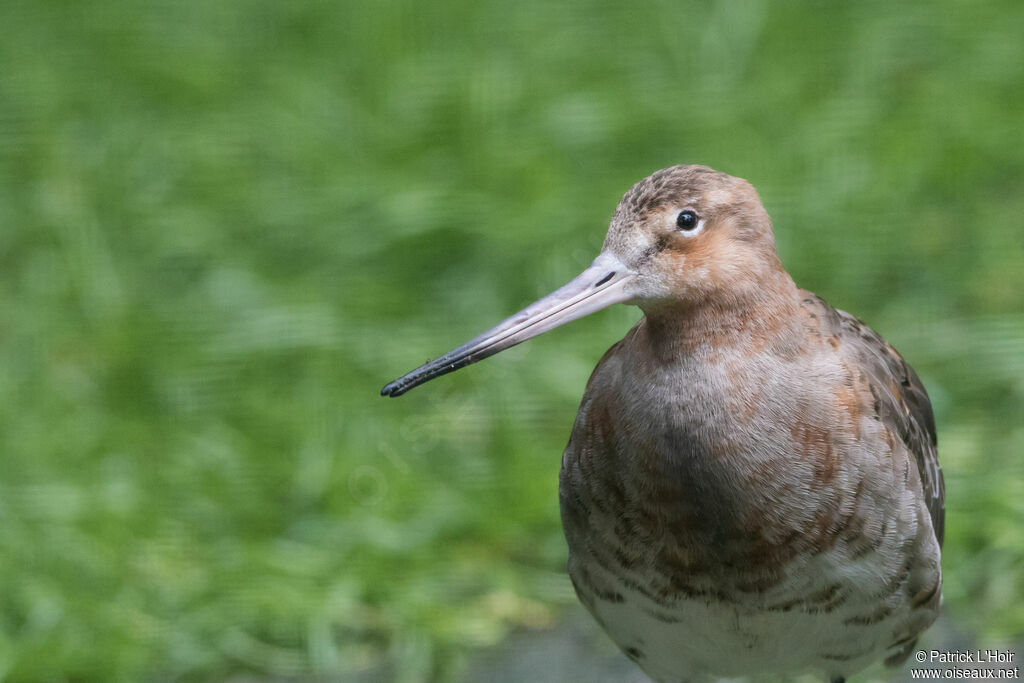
(751, 486)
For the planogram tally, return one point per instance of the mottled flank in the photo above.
(901, 402)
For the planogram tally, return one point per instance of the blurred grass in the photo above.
(223, 226)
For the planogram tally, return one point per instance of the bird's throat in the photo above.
(760, 319)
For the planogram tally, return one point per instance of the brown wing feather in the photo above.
(901, 401)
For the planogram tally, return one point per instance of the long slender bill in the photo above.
(604, 283)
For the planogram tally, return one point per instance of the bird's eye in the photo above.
(687, 220)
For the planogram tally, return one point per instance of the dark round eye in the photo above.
(687, 220)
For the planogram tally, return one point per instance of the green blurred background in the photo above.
(224, 225)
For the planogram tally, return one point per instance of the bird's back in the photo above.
(756, 502)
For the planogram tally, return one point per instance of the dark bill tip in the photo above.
(450, 362)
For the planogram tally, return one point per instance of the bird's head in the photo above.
(689, 234)
(682, 236)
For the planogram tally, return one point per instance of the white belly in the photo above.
(695, 639)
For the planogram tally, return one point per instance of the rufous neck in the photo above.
(759, 317)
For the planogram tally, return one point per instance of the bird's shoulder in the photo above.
(609, 367)
(899, 400)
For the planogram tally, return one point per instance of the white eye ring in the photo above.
(688, 223)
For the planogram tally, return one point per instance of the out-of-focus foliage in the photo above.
(224, 225)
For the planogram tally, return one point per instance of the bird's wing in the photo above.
(900, 399)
